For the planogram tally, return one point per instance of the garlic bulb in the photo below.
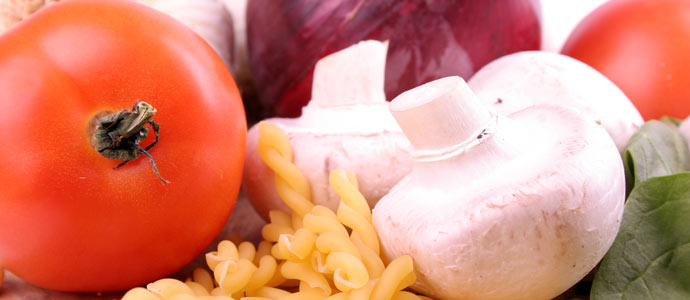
(14, 11)
(240, 62)
(208, 18)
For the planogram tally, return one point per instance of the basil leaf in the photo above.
(657, 149)
(650, 257)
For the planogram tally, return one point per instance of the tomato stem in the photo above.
(117, 135)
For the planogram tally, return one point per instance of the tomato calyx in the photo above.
(117, 134)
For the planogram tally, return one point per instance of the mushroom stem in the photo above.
(448, 108)
(339, 82)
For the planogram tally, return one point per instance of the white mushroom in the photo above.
(500, 207)
(522, 79)
(346, 125)
(684, 129)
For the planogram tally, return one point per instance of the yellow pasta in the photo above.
(297, 221)
(322, 219)
(362, 293)
(166, 288)
(232, 275)
(292, 186)
(396, 273)
(246, 250)
(328, 242)
(311, 295)
(360, 226)
(348, 271)
(262, 250)
(197, 288)
(345, 185)
(218, 292)
(318, 261)
(371, 259)
(304, 272)
(139, 294)
(226, 251)
(338, 296)
(295, 247)
(269, 293)
(311, 254)
(203, 278)
(265, 272)
(281, 223)
(278, 278)
(403, 295)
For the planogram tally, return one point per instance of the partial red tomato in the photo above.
(643, 46)
(68, 220)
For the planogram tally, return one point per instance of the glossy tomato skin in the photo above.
(643, 46)
(68, 220)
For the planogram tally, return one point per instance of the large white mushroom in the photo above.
(346, 125)
(500, 207)
(684, 129)
(522, 79)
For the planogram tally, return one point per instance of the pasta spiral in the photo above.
(313, 254)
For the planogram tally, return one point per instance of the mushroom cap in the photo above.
(522, 79)
(524, 213)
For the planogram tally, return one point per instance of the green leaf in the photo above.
(657, 149)
(650, 257)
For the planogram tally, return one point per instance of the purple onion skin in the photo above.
(428, 40)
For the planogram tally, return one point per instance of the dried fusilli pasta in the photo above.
(314, 253)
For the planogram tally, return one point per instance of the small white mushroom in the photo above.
(346, 125)
(522, 79)
(500, 207)
(684, 129)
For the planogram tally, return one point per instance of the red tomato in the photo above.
(643, 46)
(68, 220)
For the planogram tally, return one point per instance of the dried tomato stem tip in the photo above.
(117, 135)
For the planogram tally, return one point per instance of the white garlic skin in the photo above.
(210, 19)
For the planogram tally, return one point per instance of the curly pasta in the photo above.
(313, 254)
(292, 186)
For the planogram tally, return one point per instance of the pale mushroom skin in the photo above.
(516, 81)
(523, 211)
(684, 129)
(346, 125)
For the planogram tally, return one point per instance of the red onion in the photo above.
(428, 40)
